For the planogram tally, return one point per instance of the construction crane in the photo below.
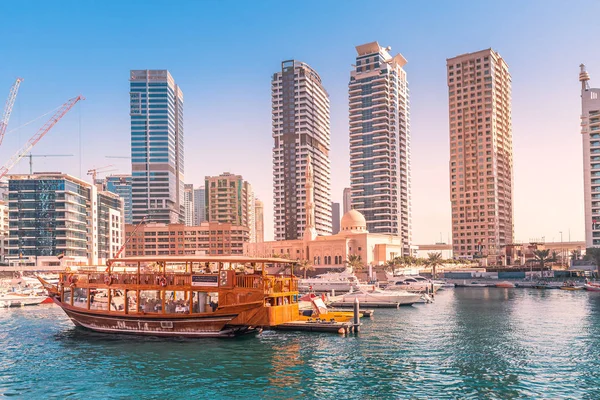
(100, 170)
(43, 155)
(39, 135)
(10, 102)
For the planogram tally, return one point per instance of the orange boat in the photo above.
(505, 285)
(186, 296)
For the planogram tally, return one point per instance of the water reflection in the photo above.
(471, 343)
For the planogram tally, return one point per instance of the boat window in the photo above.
(151, 301)
(132, 301)
(204, 302)
(117, 300)
(99, 299)
(177, 302)
(67, 295)
(80, 297)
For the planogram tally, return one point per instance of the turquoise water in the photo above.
(471, 343)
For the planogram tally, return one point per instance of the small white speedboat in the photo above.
(20, 300)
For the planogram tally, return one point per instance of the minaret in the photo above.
(310, 232)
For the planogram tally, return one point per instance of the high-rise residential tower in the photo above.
(380, 141)
(156, 109)
(199, 205)
(230, 199)
(188, 203)
(259, 220)
(590, 132)
(300, 111)
(481, 156)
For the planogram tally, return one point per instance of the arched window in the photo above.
(318, 260)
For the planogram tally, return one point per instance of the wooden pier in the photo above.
(316, 326)
(366, 304)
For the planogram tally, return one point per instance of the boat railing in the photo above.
(270, 284)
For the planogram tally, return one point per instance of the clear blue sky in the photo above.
(223, 53)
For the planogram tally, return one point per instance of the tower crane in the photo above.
(39, 135)
(10, 102)
(94, 171)
(30, 156)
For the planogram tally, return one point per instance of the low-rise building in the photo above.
(158, 239)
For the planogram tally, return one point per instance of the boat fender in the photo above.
(163, 281)
(108, 280)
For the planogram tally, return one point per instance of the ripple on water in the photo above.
(472, 343)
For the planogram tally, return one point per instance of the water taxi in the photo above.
(183, 296)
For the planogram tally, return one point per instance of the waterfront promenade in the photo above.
(471, 343)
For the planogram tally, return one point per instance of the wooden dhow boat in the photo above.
(183, 296)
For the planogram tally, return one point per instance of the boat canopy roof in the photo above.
(201, 259)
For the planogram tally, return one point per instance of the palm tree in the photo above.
(305, 265)
(355, 262)
(542, 256)
(575, 254)
(435, 260)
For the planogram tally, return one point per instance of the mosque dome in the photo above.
(353, 221)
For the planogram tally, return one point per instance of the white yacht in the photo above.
(338, 281)
(20, 300)
(411, 283)
(376, 295)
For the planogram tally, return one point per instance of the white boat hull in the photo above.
(401, 298)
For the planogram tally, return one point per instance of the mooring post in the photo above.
(356, 315)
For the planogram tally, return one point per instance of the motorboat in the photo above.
(592, 286)
(20, 300)
(505, 285)
(412, 283)
(571, 285)
(378, 296)
(475, 284)
(445, 285)
(331, 281)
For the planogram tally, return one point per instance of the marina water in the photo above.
(471, 343)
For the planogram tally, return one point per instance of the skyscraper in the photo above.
(481, 157)
(347, 200)
(300, 110)
(121, 185)
(259, 217)
(380, 141)
(199, 206)
(156, 109)
(335, 218)
(188, 203)
(230, 199)
(590, 133)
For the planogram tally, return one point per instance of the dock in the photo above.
(316, 326)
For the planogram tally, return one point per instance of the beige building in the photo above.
(331, 250)
(481, 157)
(157, 239)
(380, 141)
(259, 220)
(188, 203)
(590, 134)
(230, 199)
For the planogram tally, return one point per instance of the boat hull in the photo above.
(20, 301)
(592, 288)
(196, 326)
(406, 299)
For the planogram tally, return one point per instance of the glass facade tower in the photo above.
(156, 109)
(380, 141)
